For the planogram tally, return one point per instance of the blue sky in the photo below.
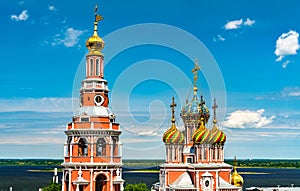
(247, 50)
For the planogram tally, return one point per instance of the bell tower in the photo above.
(92, 151)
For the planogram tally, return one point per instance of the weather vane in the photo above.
(97, 16)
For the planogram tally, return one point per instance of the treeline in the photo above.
(267, 163)
(58, 162)
(30, 162)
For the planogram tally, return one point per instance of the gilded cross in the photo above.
(214, 107)
(195, 71)
(173, 105)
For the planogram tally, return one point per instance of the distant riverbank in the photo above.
(244, 163)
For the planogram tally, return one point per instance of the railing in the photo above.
(97, 159)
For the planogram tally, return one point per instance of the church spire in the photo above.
(95, 44)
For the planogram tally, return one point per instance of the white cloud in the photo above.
(47, 104)
(21, 17)
(219, 38)
(247, 119)
(284, 65)
(287, 94)
(287, 44)
(23, 140)
(69, 38)
(137, 140)
(51, 8)
(291, 92)
(233, 24)
(249, 22)
(148, 133)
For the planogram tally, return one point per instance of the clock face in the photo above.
(98, 100)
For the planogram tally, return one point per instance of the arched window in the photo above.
(101, 144)
(115, 139)
(82, 147)
(100, 182)
(67, 182)
(204, 153)
(91, 67)
(97, 67)
(68, 148)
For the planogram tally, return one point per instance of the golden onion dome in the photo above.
(202, 135)
(173, 135)
(236, 178)
(95, 44)
(218, 137)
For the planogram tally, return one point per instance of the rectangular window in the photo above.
(91, 67)
(85, 119)
(189, 160)
(97, 67)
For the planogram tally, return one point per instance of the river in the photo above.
(21, 178)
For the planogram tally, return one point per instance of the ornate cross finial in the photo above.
(195, 72)
(235, 163)
(214, 107)
(173, 105)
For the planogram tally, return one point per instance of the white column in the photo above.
(91, 180)
(111, 152)
(70, 180)
(65, 149)
(202, 153)
(197, 180)
(71, 152)
(92, 149)
(217, 180)
(63, 181)
(111, 179)
(210, 154)
(120, 150)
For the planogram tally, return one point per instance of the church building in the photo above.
(92, 151)
(195, 156)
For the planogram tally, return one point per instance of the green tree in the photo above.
(52, 187)
(135, 187)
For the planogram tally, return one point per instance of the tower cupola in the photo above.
(236, 178)
(195, 109)
(95, 44)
